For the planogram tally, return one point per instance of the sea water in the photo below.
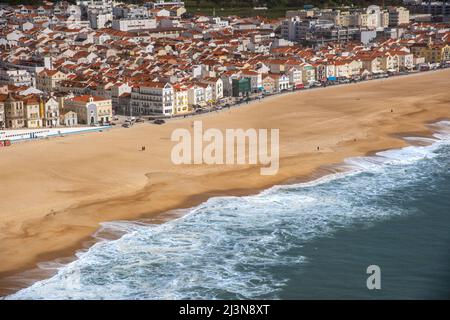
(309, 240)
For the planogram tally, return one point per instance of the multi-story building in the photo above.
(405, 60)
(295, 76)
(296, 29)
(91, 110)
(32, 114)
(181, 104)
(50, 112)
(196, 95)
(153, 98)
(2, 110)
(269, 83)
(338, 34)
(16, 77)
(371, 63)
(134, 24)
(373, 18)
(117, 91)
(99, 19)
(48, 80)
(434, 8)
(389, 62)
(432, 52)
(398, 16)
(217, 87)
(14, 112)
(281, 82)
(69, 118)
(255, 79)
(308, 73)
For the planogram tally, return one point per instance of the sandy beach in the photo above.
(56, 192)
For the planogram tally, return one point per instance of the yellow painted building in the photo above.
(433, 53)
(32, 113)
(47, 80)
(181, 104)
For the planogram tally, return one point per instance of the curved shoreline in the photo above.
(375, 131)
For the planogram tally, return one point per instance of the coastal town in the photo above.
(181, 150)
(85, 64)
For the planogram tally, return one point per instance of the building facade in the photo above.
(153, 98)
(90, 110)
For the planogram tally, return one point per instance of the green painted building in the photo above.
(241, 87)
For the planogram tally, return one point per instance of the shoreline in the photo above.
(39, 273)
(389, 138)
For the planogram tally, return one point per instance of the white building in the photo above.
(196, 96)
(398, 16)
(217, 87)
(99, 19)
(51, 113)
(290, 28)
(153, 98)
(16, 77)
(133, 24)
(295, 76)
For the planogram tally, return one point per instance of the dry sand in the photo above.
(55, 192)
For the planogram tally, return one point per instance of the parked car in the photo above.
(344, 80)
(126, 125)
(159, 121)
(140, 120)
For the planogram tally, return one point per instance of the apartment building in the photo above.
(196, 95)
(153, 98)
(373, 18)
(16, 77)
(217, 87)
(14, 112)
(50, 112)
(181, 104)
(32, 115)
(48, 80)
(133, 24)
(432, 52)
(398, 16)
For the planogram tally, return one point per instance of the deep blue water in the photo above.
(312, 240)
